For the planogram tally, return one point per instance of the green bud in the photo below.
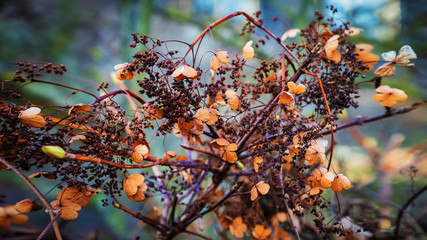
(54, 152)
(240, 165)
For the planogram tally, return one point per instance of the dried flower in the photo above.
(233, 99)
(388, 96)
(406, 54)
(320, 179)
(185, 72)
(260, 187)
(31, 117)
(134, 187)
(257, 162)
(122, 72)
(296, 89)
(140, 152)
(260, 232)
(228, 150)
(340, 183)
(24, 206)
(363, 53)
(80, 195)
(353, 31)
(68, 209)
(330, 49)
(9, 215)
(315, 153)
(237, 227)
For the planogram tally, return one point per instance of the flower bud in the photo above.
(240, 165)
(54, 152)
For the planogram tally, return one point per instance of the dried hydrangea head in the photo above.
(134, 187)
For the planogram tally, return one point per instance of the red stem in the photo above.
(330, 114)
(252, 20)
(110, 94)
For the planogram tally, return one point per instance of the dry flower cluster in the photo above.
(250, 154)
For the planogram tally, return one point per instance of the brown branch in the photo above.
(404, 207)
(156, 161)
(217, 204)
(125, 91)
(77, 157)
(241, 142)
(145, 219)
(201, 151)
(51, 211)
(65, 86)
(361, 121)
(292, 220)
(252, 20)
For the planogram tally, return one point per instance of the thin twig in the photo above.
(292, 220)
(51, 211)
(48, 226)
(268, 108)
(252, 20)
(390, 113)
(145, 219)
(111, 94)
(201, 151)
(65, 86)
(217, 204)
(197, 234)
(404, 207)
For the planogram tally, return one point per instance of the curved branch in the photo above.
(65, 86)
(111, 94)
(404, 207)
(39, 195)
(252, 20)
